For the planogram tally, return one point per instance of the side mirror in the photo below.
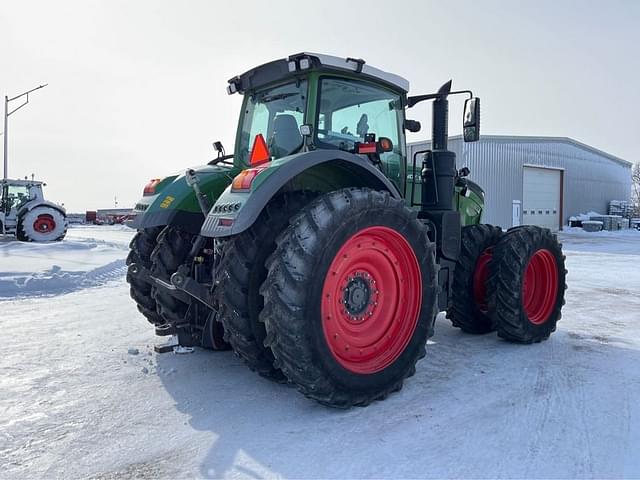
(219, 148)
(471, 120)
(386, 145)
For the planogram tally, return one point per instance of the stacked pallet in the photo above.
(621, 208)
(611, 222)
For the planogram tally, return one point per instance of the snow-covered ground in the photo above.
(76, 400)
(89, 256)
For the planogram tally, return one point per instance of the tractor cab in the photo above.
(312, 101)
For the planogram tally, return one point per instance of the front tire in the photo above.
(469, 310)
(527, 284)
(350, 297)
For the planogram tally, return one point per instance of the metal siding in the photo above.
(591, 179)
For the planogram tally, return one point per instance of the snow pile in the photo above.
(79, 261)
(584, 217)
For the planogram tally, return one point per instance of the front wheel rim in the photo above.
(540, 286)
(371, 299)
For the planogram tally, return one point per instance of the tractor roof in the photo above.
(20, 183)
(301, 63)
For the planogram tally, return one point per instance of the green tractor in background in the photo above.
(322, 254)
(25, 213)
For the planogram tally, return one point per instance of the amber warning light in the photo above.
(150, 188)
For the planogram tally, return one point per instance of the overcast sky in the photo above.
(137, 88)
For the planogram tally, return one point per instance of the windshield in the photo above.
(277, 114)
(18, 194)
(350, 110)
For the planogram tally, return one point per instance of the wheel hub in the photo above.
(357, 294)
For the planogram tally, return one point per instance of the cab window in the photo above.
(349, 110)
(276, 113)
(17, 194)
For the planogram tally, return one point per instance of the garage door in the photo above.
(541, 197)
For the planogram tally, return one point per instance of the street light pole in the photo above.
(6, 122)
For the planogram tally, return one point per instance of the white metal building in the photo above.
(539, 180)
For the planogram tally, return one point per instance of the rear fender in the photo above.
(176, 204)
(319, 171)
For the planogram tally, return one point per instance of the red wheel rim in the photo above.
(44, 224)
(371, 300)
(480, 277)
(540, 286)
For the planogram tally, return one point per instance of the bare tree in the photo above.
(635, 188)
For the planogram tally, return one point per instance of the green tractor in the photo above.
(320, 253)
(25, 213)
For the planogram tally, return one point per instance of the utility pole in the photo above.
(6, 122)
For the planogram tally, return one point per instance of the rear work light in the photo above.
(150, 188)
(245, 178)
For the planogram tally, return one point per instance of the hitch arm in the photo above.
(181, 287)
(141, 273)
(199, 291)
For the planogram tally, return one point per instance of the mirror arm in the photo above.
(411, 101)
(458, 92)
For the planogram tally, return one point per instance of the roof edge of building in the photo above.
(566, 140)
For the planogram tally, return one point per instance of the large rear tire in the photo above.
(241, 272)
(42, 224)
(172, 251)
(141, 247)
(469, 310)
(527, 284)
(350, 297)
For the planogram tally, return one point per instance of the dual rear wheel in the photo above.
(344, 303)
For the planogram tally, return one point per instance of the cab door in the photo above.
(350, 109)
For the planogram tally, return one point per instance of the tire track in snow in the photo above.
(57, 281)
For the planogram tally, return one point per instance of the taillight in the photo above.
(242, 181)
(367, 148)
(150, 188)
